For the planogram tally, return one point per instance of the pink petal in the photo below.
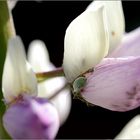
(130, 45)
(31, 119)
(115, 84)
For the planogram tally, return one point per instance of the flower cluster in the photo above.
(101, 63)
(38, 118)
(104, 56)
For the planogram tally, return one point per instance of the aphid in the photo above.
(78, 84)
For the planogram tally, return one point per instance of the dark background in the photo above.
(48, 20)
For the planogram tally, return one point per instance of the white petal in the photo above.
(116, 21)
(18, 77)
(62, 101)
(38, 56)
(86, 43)
(46, 89)
(12, 3)
(131, 130)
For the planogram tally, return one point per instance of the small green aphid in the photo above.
(78, 84)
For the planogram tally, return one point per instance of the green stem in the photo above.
(6, 31)
(42, 76)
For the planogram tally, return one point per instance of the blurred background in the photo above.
(47, 21)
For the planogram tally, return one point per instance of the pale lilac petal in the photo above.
(130, 45)
(31, 119)
(115, 84)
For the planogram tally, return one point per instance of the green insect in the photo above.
(78, 85)
(80, 82)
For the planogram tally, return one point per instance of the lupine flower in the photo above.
(18, 76)
(91, 36)
(46, 89)
(27, 116)
(86, 30)
(131, 130)
(113, 83)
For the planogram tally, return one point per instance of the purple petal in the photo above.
(130, 45)
(31, 119)
(115, 84)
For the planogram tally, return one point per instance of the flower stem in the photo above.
(6, 31)
(42, 76)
